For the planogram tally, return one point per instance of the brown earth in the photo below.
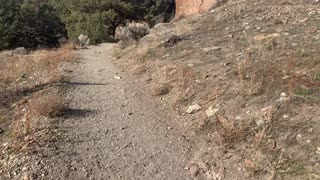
(29, 95)
(232, 94)
(109, 130)
(253, 67)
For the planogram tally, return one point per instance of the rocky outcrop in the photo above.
(189, 7)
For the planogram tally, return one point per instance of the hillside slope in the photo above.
(251, 71)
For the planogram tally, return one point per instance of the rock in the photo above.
(210, 112)
(191, 7)
(194, 170)
(213, 48)
(84, 41)
(283, 97)
(303, 20)
(259, 122)
(193, 108)
(285, 116)
(299, 136)
(20, 50)
(283, 94)
(1, 131)
(162, 90)
(118, 77)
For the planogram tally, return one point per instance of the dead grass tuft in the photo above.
(47, 105)
(28, 94)
(233, 132)
(116, 51)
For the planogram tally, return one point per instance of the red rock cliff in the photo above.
(189, 7)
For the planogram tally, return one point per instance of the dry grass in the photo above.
(258, 60)
(29, 81)
(47, 105)
(116, 51)
(35, 68)
(28, 98)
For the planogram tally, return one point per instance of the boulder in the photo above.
(84, 41)
(20, 50)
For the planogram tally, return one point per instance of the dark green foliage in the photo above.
(99, 18)
(33, 23)
(29, 23)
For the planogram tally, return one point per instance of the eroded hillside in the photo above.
(244, 81)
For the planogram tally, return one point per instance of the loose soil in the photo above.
(110, 130)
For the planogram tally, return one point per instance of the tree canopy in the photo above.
(29, 23)
(33, 23)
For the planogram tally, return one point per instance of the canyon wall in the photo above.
(189, 7)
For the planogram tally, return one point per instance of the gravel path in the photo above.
(112, 131)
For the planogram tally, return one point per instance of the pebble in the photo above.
(283, 97)
(194, 170)
(310, 130)
(259, 122)
(213, 48)
(283, 94)
(299, 136)
(193, 108)
(118, 77)
(210, 112)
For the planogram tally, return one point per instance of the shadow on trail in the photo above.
(68, 83)
(70, 112)
(11, 95)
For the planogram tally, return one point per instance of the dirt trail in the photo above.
(111, 130)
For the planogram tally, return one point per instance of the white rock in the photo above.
(283, 94)
(283, 97)
(213, 48)
(299, 136)
(211, 111)
(259, 122)
(193, 108)
(118, 77)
